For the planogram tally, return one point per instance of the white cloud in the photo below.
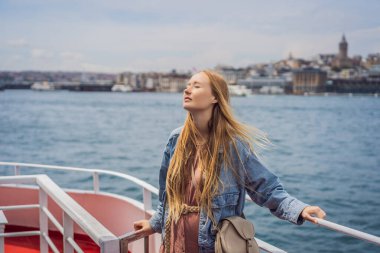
(99, 68)
(41, 53)
(17, 43)
(71, 56)
(161, 35)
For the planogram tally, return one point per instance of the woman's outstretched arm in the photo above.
(265, 189)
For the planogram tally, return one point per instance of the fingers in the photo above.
(321, 214)
(138, 225)
(310, 218)
(318, 212)
(313, 210)
(142, 227)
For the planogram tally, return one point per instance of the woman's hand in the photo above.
(142, 227)
(308, 211)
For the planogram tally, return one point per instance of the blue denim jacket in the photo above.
(263, 187)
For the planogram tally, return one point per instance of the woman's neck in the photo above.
(201, 123)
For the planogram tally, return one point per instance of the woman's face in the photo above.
(198, 95)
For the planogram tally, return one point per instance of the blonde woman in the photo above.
(208, 166)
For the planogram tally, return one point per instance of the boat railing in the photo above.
(72, 213)
(3, 222)
(147, 188)
(147, 202)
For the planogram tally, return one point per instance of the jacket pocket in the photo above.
(223, 205)
(226, 199)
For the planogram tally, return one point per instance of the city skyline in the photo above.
(160, 36)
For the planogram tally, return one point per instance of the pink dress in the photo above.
(184, 233)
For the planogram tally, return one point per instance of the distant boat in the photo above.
(239, 90)
(121, 88)
(271, 90)
(42, 86)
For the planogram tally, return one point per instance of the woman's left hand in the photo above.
(308, 211)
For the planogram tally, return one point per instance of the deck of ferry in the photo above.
(36, 215)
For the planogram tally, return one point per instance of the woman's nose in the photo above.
(187, 90)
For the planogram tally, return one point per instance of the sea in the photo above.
(325, 150)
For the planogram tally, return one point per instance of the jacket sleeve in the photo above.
(156, 220)
(265, 189)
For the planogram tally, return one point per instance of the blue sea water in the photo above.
(326, 151)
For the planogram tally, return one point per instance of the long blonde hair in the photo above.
(224, 129)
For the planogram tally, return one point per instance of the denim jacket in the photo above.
(263, 187)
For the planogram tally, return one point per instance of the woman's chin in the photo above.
(188, 108)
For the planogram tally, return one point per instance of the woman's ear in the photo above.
(214, 100)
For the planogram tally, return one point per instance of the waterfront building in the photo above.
(173, 82)
(264, 84)
(309, 80)
(362, 85)
(232, 75)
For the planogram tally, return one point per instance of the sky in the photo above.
(121, 35)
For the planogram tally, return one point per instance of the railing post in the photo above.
(17, 170)
(68, 232)
(3, 221)
(110, 245)
(43, 221)
(147, 198)
(95, 177)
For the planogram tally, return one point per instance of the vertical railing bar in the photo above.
(95, 177)
(43, 221)
(147, 199)
(123, 245)
(3, 221)
(146, 244)
(17, 170)
(68, 232)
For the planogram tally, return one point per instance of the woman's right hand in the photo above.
(142, 227)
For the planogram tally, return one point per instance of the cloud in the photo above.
(17, 43)
(161, 35)
(71, 56)
(41, 53)
(99, 68)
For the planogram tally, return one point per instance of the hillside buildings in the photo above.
(325, 72)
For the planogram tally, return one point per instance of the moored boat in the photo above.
(121, 88)
(42, 86)
(239, 90)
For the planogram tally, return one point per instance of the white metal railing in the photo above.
(349, 231)
(147, 188)
(147, 201)
(3, 222)
(72, 213)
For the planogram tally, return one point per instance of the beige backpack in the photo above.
(236, 235)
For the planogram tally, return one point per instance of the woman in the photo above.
(208, 166)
